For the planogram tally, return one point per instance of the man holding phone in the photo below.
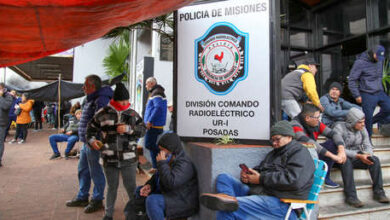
(286, 172)
(359, 155)
(5, 105)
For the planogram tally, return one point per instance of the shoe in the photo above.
(35, 130)
(382, 198)
(66, 156)
(220, 202)
(21, 142)
(75, 202)
(355, 202)
(12, 141)
(93, 206)
(107, 218)
(54, 156)
(330, 184)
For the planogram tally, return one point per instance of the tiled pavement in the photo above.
(33, 187)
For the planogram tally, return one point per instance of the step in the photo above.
(383, 153)
(329, 197)
(361, 174)
(376, 139)
(371, 210)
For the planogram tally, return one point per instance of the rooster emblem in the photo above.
(219, 57)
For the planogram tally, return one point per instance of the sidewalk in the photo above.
(33, 187)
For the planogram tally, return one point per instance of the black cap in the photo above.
(309, 61)
(336, 85)
(121, 93)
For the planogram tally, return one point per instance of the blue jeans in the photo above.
(155, 206)
(71, 139)
(151, 143)
(250, 207)
(331, 147)
(89, 168)
(369, 102)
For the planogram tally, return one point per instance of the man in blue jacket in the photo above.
(365, 83)
(335, 108)
(89, 167)
(155, 116)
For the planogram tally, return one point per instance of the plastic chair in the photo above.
(308, 205)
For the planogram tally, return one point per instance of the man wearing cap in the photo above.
(365, 83)
(286, 172)
(359, 152)
(297, 84)
(335, 108)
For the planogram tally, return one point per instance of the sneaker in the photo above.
(35, 130)
(54, 156)
(219, 202)
(107, 218)
(382, 198)
(12, 141)
(93, 206)
(66, 156)
(77, 202)
(21, 141)
(355, 202)
(330, 184)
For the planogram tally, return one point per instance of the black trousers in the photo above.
(21, 129)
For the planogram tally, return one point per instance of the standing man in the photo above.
(335, 108)
(365, 83)
(89, 167)
(5, 105)
(297, 84)
(155, 117)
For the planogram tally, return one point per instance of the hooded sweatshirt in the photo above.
(156, 108)
(365, 76)
(354, 140)
(24, 116)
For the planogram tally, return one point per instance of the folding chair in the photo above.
(308, 205)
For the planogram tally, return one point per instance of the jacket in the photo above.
(298, 83)
(15, 101)
(156, 107)
(24, 117)
(95, 101)
(365, 76)
(287, 172)
(334, 111)
(118, 149)
(5, 105)
(307, 134)
(72, 125)
(178, 184)
(354, 140)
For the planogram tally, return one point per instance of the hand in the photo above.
(244, 177)
(364, 159)
(1, 92)
(121, 128)
(342, 154)
(321, 108)
(145, 190)
(359, 100)
(161, 156)
(253, 177)
(336, 158)
(148, 125)
(69, 133)
(96, 144)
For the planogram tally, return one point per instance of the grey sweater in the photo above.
(292, 86)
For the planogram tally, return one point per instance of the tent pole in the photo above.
(59, 104)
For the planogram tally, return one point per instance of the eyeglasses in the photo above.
(315, 117)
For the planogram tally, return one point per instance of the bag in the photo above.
(18, 111)
(135, 209)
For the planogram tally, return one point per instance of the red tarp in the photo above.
(31, 29)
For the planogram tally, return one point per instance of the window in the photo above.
(166, 48)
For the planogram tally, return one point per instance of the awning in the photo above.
(31, 29)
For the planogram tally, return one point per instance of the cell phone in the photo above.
(244, 168)
(370, 159)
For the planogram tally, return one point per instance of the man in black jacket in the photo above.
(5, 105)
(286, 172)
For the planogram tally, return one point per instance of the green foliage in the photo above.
(386, 76)
(226, 139)
(115, 62)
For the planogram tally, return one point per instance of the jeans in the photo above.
(2, 137)
(10, 120)
(21, 131)
(369, 102)
(151, 143)
(331, 147)
(250, 207)
(89, 168)
(347, 174)
(38, 119)
(112, 177)
(291, 107)
(155, 206)
(71, 139)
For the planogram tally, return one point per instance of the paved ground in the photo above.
(33, 187)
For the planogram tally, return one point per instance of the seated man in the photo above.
(173, 190)
(360, 155)
(70, 135)
(335, 108)
(286, 172)
(307, 128)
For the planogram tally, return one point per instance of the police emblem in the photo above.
(221, 58)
